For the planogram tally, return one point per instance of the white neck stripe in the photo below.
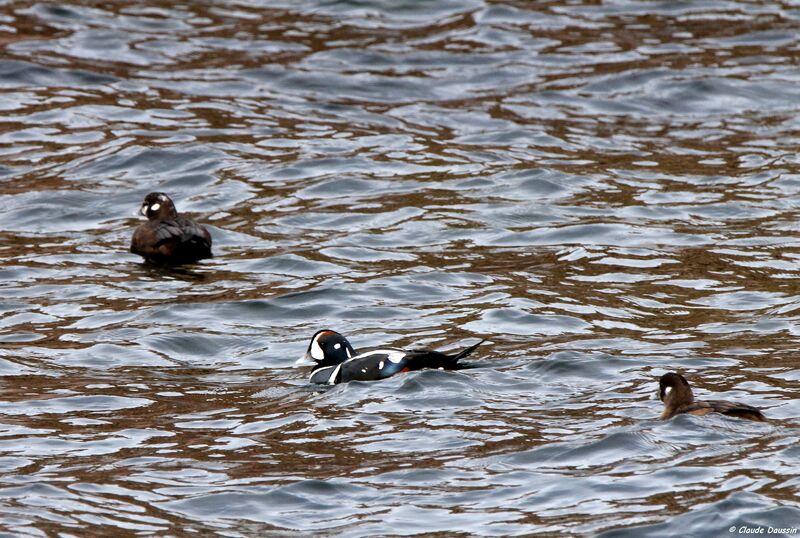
(332, 378)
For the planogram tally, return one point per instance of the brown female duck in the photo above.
(677, 396)
(167, 238)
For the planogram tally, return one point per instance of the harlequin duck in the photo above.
(335, 360)
(677, 396)
(167, 238)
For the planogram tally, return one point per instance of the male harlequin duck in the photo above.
(167, 238)
(335, 360)
(677, 396)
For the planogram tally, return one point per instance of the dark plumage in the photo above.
(167, 238)
(335, 360)
(675, 392)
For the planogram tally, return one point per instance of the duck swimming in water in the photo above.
(335, 360)
(675, 392)
(167, 238)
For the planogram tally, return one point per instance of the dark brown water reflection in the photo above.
(607, 192)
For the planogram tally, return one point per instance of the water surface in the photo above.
(605, 192)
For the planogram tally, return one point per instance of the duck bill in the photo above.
(305, 360)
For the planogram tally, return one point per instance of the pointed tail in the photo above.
(418, 359)
(467, 351)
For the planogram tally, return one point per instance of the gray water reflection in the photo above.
(606, 192)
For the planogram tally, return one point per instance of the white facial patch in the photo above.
(316, 352)
(380, 365)
(337, 346)
(155, 207)
(667, 390)
(144, 210)
(162, 197)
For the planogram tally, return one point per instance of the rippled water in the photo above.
(605, 192)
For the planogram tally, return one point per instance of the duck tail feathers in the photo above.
(467, 351)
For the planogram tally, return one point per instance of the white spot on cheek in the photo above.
(155, 207)
(363, 370)
(316, 352)
(337, 346)
(667, 391)
(380, 365)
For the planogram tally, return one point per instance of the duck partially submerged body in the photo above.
(167, 238)
(335, 360)
(675, 392)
